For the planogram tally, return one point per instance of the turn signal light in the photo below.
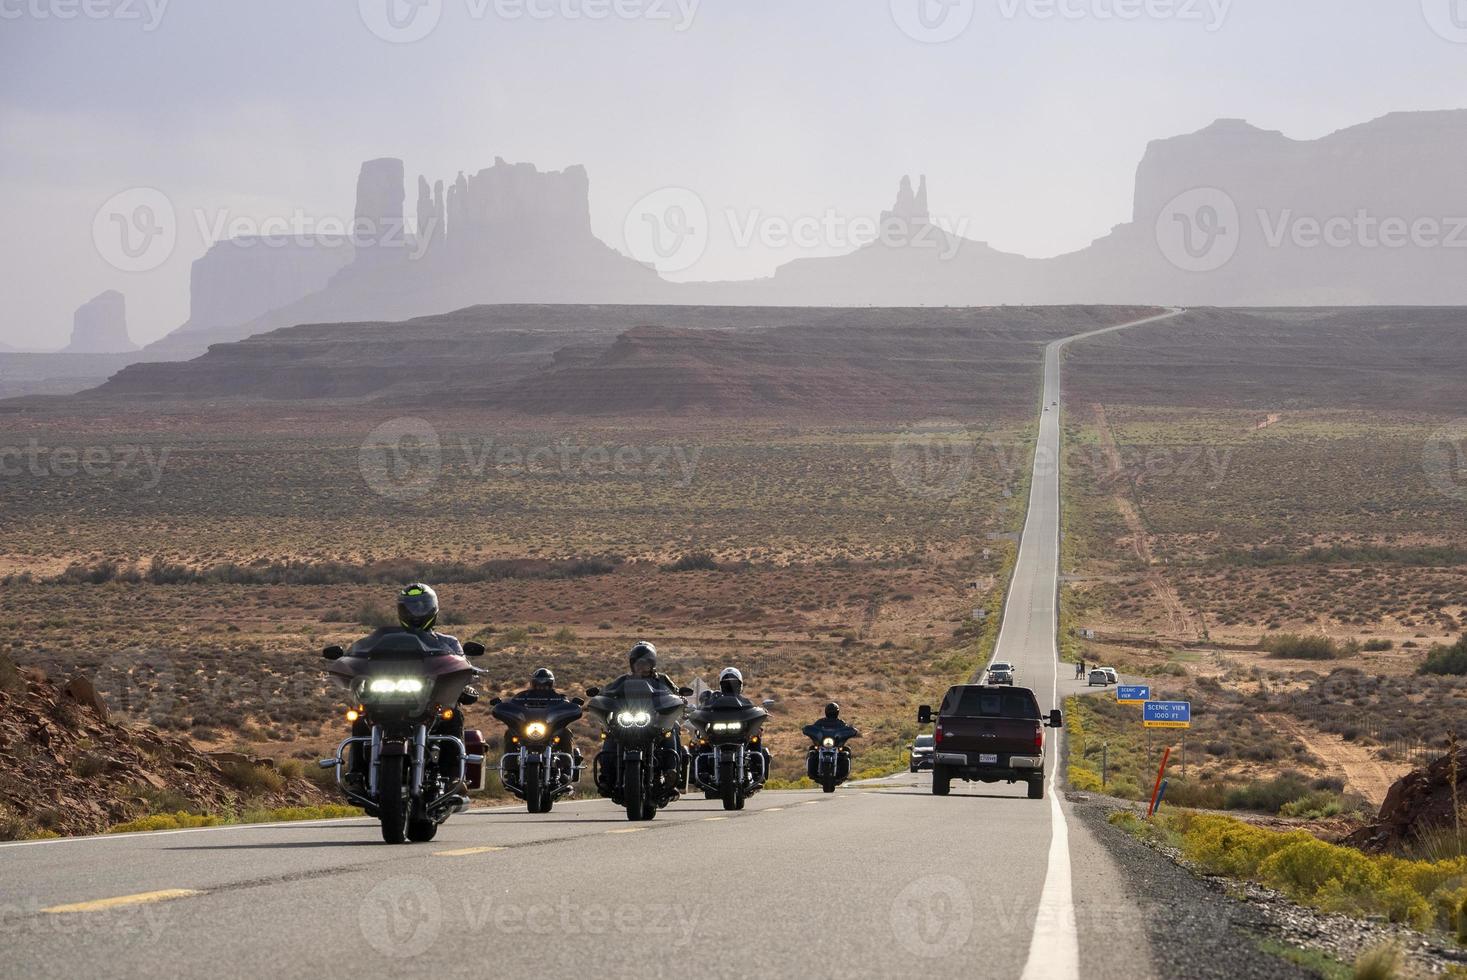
(352, 714)
(447, 714)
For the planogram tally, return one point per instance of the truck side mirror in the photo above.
(472, 649)
(924, 715)
(333, 653)
(1056, 719)
(591, 692)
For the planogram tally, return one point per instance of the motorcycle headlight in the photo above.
(728, 726)
(535, 729)
(395, 685)
(828, 742)
(633, 719)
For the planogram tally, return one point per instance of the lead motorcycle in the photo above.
(405, 763)
(641, 765)
(829, 760)
(729, 761)
(538, 765)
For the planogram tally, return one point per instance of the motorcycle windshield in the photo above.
(636, 704)
(554, 712)
(840, 732)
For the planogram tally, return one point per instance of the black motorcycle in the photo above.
(405, 762)
(729, 761)
(829, 760)
(641, 766)
(538, 765)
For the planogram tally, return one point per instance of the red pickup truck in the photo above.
(989, 734)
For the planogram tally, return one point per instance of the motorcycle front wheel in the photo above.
(393, 805)
(632, 790)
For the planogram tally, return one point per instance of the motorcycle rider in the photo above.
(830, 723)
(731, 684)
(642, 665)
(417, 612)
(542, 687)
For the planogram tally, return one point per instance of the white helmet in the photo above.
(731, 674)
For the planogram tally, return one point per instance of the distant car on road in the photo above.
(1110, 672)
(1099, 677)
(922, 752)
(1000, 673)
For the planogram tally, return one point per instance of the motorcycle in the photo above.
(640, 766)
(536, 766)
(829, 760)
(405, 763)
(729, 763)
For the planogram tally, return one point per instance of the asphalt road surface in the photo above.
(876, 880)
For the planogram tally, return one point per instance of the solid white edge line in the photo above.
(1054, 948)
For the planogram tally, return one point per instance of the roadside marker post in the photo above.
(1156, 790)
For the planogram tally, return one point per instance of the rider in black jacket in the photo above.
(642, 665)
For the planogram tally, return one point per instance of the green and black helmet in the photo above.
(417, 607)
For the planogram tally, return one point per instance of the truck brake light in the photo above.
(937, 736)
(1039, 738)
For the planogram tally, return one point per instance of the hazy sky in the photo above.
(1029, 122)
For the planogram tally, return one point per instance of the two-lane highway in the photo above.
(874, 881)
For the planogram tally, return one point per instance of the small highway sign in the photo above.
(1166, 714)
(1133, 694)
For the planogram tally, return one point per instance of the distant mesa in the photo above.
(99, 326)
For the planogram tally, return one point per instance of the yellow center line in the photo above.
(772, 809)
(627, 830)
(465, 851)
(142, 898)
(715, 818)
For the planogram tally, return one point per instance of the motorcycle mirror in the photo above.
(494, 700)
(333, 653)
(578, 702)
(472, 649)
(769, 702)
(924, 714)
(1056, 719)
(685, 692)
(591, 692)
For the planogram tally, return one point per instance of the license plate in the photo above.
(987, 759)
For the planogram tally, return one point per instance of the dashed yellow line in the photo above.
(141, 898)
(465, 851)
(771, 809)
(627, 830)
(714, 818)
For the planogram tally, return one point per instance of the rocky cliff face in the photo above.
(67, 768)
(99, 326)
(241, 279)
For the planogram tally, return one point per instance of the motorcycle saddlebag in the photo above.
(476, 774)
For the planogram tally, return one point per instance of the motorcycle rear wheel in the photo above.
(393, 805)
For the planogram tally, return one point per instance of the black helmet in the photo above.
(832, 711)
(543, 679)
(643, 651)
(417, 607)
(731, 681)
